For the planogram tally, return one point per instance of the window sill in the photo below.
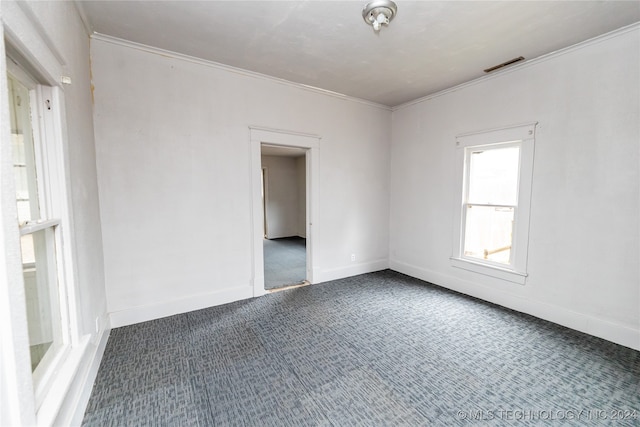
(490, 270)
(62, 381)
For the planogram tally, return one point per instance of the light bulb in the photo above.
(376, 26)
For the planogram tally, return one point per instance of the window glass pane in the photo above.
(488, 233)
(493, 176)
(41, 293)
(24, 166)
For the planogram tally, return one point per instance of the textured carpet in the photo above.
(379, 349)
(285, 262)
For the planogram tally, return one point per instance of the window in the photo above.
(491, 181)
(492, 219)
(40, 199)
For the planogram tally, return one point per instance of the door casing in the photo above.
(311, 143)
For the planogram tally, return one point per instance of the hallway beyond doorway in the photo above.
(284, 262)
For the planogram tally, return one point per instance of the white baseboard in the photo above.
(144, 313)
(321, 276)
(588, 324)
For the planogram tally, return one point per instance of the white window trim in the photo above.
(49, 106)
(525, 135)
(49, 132)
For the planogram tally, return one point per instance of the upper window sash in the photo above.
(505, 196)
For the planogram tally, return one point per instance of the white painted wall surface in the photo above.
(173, 150)
(41, 28)
(282, 201)
(584, 228)
(302, 196)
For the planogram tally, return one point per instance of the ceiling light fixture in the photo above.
(378, 13)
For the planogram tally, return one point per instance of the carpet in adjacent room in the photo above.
(285, 262)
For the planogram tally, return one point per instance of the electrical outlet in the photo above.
(353, 257)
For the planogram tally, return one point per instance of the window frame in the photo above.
(468, 152)
(523, 136)
(47, 126)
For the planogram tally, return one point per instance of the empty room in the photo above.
(319, 213)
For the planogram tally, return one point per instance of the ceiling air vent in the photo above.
(504, 64)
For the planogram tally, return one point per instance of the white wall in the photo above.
(302, 196)
(584, 228)
(282, 196)
(52, 35)
(173, 153)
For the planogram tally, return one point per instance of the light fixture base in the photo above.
(379, 12)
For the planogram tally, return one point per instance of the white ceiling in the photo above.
(429, 46)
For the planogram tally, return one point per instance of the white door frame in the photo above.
(265, 200)
(311, 143)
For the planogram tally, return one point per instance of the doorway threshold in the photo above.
(286, 288)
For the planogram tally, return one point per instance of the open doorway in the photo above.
(303, 149)
(284, 201)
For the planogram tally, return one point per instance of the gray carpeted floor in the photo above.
(379, 349)
(285, 262)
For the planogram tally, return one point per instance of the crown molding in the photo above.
(521, 65)
(229, 68)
